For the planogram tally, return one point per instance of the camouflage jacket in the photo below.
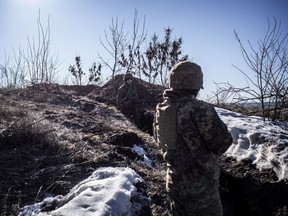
(127, 96)
(201, 137)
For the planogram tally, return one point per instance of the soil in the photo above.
(52, 137)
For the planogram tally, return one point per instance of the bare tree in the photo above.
(115, 46)
(126, 55)
(228, 96)
(132, 60)
(268, 61)
(151, 62)
(40, 64)
(160, 56)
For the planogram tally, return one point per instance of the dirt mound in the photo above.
(47, 93)
(80, 90)
(51, 140)
(149, 94)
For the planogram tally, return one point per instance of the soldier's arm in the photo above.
(120, 96)
(135, 94)
(214, 132)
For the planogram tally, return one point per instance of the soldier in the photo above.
(191, 135)
(127, 98)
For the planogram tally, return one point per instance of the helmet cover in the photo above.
(186, 75)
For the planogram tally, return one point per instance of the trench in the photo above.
(244, 190)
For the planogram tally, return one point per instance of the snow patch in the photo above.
(108, 191)
(264, 143)
(141, 152)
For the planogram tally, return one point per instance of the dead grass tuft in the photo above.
(30, 158)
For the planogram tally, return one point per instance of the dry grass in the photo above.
(30, 158)
(47, 147)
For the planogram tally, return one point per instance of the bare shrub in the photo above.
(34, 65)
(267, 84)
(27, 132)
(12, 72)
(40, 64)
(30, 158)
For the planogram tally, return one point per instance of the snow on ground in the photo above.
(141, 152)
(108, 191)
(265, 143)
(111, 191)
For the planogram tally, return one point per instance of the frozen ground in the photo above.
(108, 191)
(112, 191)
(264, 143)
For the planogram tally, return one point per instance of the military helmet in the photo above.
(186, 75)
(127, 76)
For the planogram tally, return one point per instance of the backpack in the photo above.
(165, 126)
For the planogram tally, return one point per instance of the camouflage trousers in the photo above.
(131, 112)
(187, 199)
(209, 205)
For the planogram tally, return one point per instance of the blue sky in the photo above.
(206, 28)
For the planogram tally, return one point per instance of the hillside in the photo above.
(52, 137)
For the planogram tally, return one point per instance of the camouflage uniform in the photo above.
(127, 100)
(192, 168)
